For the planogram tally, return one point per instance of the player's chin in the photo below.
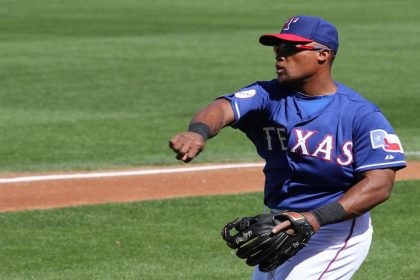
(288, 80)
(282, 79)
(282, 76)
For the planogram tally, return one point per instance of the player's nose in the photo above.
(280, 57)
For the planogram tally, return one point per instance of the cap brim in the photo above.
(274, 39)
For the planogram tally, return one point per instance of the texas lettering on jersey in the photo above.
(323, 149)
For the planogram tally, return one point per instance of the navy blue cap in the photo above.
(305, 29)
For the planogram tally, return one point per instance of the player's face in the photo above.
(296, 62)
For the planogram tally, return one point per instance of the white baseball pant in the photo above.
(334, 252)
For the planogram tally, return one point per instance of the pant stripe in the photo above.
(341, 249)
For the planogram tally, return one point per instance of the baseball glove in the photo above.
(256, 243)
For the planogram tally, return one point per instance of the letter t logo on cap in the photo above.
(289, 22)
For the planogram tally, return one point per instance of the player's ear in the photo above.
(323, 55)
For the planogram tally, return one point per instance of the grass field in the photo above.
(99, 83)
(178, 239)
(90, 84)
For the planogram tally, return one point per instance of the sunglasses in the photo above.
(288, 48)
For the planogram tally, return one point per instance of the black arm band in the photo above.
(200, 128)
(329, 214)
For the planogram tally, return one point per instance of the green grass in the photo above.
(178, 239)
(98, 83)
(394, 250)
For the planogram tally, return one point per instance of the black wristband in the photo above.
(200, 128)
(329, 214)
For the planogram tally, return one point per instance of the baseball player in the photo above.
(330, 154)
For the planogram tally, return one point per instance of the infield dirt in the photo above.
(74, 192)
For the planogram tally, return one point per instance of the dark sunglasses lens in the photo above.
(285, 48)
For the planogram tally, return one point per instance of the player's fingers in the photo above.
(191, 155)
(290, 231)
(185, 157)
(185, 148)
(193, 152)
(182, 153)
(180, 156)
(281, 226)
(185, 152)
(175, 142)
(181, 145)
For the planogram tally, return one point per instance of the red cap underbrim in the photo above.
(273, 39)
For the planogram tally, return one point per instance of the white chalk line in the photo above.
(73, 176)
(51, 177)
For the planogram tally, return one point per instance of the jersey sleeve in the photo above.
(246, 102)
(375, 144)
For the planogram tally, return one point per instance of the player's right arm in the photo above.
(217, 115)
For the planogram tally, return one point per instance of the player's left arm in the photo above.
(373, 188)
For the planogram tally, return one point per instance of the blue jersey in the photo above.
(313, 158)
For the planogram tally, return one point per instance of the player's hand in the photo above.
(288, 225)
(187, 145)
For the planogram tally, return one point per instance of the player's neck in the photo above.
(319, 89)
(317, 86)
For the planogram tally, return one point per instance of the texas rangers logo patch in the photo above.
(382, 139)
